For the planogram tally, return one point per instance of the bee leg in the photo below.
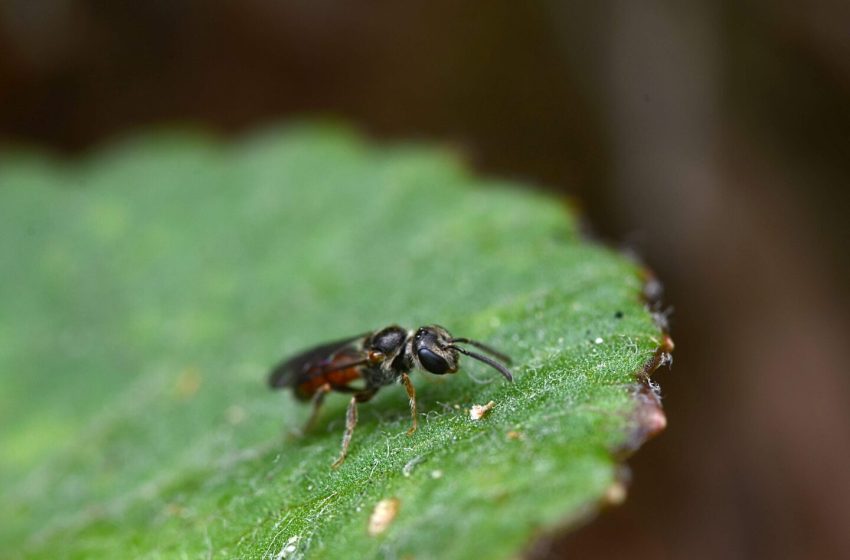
(350, 422)
(318, 399)
(411, 393)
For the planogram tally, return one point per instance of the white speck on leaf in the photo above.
(479, 410)
(289, 548)
(616, 493)
(407, 470)
(383, 514)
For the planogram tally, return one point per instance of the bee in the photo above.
(362, 364)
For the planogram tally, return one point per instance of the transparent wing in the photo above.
(289, 372)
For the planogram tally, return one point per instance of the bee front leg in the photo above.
(350, 422)
(411, 393)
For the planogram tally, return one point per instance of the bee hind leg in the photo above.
(318, 399)
(350, 423)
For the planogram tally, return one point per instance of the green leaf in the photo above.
(147, 290)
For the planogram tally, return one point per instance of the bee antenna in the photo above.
(489, 361)
(482, 346)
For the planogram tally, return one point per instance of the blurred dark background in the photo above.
(711, 137)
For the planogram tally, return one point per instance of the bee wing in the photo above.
(287, 373)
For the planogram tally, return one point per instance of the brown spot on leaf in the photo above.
(188, 382)
(647, 421)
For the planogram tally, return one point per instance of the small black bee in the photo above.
(364, 363)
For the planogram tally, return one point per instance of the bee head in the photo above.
(437, 351)
(432, 350)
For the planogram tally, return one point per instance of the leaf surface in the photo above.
(147, 290)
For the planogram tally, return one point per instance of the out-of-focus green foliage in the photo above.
(146, 291)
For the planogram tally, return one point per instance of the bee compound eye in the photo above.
(432, 362)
